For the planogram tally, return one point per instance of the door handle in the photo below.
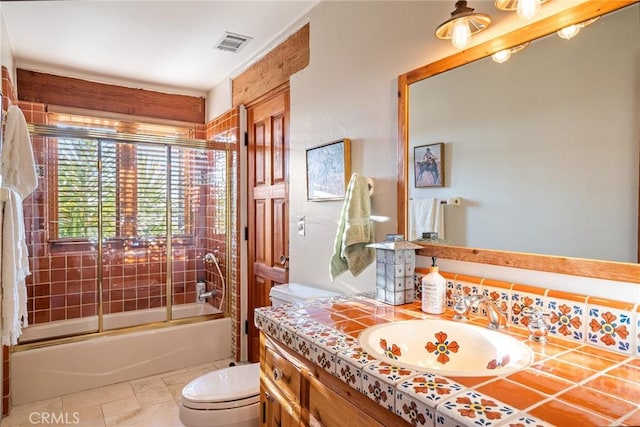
(284, 260)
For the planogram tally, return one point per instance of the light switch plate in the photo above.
(301, 226)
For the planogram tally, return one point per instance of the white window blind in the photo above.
(133, 183)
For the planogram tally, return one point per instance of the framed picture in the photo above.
(428, 161)
(328, 170)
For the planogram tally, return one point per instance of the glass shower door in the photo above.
(134, 233)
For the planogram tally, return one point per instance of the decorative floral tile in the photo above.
(379, 379)
(638, 331)
(268, 319)
(451, 291)
(472, 408)
(566, 319)
(501, 297)
(610, 328)
(414, 411)
(325, 348)
(304, 347)
(349, 365)
(520, 300)
(417, 397)
(417, 281)
(468, 288)
(349, 373)
(524, 420)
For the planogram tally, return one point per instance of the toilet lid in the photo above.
(224, 385)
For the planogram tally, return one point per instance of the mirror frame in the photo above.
(619, 271)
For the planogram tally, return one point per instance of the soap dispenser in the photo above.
(434, 291)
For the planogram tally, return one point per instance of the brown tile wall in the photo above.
(63, 284)
(226, 129)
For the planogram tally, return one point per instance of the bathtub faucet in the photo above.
(205, 295)
(495, 316)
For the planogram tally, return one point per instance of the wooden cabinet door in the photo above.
(277, 410)
(268, 195)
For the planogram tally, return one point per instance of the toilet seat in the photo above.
(227, 388)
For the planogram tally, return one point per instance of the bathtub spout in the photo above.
(205, 295)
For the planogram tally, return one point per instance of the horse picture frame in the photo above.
(428, 161)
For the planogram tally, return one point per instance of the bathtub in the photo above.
(46, 372)
(61, 328)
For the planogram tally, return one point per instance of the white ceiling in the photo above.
(151, 44)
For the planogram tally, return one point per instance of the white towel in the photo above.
(15, 268)
(355, 231)
(17, 167)
(18, 171)
(426, 215)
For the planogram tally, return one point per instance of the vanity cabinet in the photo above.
(280, 380)
(295, 392)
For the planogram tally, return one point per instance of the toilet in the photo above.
(230, 397)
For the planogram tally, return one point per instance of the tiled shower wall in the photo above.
(226, 129)
(63, 284)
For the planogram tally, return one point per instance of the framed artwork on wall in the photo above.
(328, 170)
(428, 161)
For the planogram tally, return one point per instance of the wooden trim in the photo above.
(625, 272)
(274, 69)
(71, 92)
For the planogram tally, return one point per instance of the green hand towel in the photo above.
(355, 231)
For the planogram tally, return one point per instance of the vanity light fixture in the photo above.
(526, 9)
(504, 55)
(463, 24)
(572, 30)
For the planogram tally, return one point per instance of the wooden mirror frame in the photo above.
(624, 272)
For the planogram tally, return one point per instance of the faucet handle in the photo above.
(538, 326)
(461, 306)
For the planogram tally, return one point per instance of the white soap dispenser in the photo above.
(434, 291)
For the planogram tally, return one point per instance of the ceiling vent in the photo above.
(232, 42)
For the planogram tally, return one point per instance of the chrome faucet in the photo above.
(497, 319)
(204, 295)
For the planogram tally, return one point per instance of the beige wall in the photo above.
(349, 89)
(6, 55)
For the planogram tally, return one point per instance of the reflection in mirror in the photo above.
(596, 268)
(543, 148)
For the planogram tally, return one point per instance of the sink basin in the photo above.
(446, 347)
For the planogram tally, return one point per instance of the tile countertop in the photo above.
(568, 384)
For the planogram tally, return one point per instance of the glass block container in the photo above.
(395, 265)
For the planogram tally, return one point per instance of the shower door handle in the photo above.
(284, 260)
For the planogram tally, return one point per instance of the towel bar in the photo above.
(453, 201)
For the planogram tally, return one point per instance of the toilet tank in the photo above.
(296, 293)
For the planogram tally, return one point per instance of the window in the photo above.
(131, 188)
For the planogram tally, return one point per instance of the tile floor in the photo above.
(144, 402)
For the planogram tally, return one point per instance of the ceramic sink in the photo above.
(446, 347)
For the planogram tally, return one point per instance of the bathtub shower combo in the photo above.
(130, 241)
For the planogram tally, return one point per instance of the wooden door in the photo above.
(268, 199)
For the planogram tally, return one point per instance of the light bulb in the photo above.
(461, 34)
(527, 9)
(501, 56)
(569, 32)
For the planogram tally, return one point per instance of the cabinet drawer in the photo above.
(327, 408)
(282, 374)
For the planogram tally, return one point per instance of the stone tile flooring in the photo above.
(144, 402)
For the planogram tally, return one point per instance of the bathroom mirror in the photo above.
(552, 186)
